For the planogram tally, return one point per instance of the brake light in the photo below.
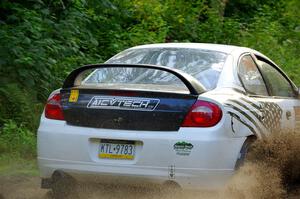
(203, 114)
(53, 109)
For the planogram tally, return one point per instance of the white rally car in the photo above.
(179, 112)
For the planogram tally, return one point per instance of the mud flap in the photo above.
(46, 183)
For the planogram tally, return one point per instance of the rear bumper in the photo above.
(74, 150)
(91, 172)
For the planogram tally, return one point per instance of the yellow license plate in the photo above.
(116, 149)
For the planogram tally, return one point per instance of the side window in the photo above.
(278, 84)
(251, 77)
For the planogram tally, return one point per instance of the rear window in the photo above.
(131, 78)
(204, 65)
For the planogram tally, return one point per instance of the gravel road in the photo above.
(24, 187)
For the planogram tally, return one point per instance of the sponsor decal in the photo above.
(172, 172)
(249, 118)
(259, 114)
(239, 90)
(123, 103)
(251, 110)
(183, 148)
(74, 96)
(252, 104)
(272, 116)
(233, 115)
(297, 118)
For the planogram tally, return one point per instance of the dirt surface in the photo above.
(21, 187)
(29, 188)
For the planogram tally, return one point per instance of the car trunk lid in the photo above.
(128, 105)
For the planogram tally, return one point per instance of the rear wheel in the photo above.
(63, 186)
(244, 152)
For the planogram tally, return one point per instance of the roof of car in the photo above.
(207, 46)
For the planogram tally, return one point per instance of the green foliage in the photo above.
(20, 106)
(42, 41)
(150, 26)
(34, 44)
(17, 139)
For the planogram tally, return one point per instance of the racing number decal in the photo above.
(297, 118)
(74, 96)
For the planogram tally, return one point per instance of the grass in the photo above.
(14, 165)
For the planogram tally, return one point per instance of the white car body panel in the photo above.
(75, 152)
(211, 162)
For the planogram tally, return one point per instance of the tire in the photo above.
(63, 186)
(244, 151)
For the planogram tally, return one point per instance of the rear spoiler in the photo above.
(194, 86)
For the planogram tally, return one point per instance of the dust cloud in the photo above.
(272, 170)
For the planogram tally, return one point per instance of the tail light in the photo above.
(53, 109)
(203, 114)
